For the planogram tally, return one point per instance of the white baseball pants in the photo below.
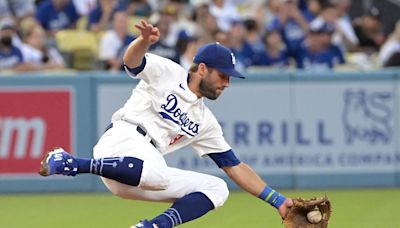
(158, 181)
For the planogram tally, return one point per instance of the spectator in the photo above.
(187, 46)
(206, 23)
(12, 23)
(369, 31)
(255, 9)
(18, 9)
(225, 12)
(34, 51)
(275, 52)
(10, 56)
(55, 15)
(221, 37)
(162, 48)
(390, 47)
(100, 18)
(312, 10)
(318, 52)
(253, 45)
(328, 15)
(345, 35)
(182, 14)
(83, 7)
(334, 13)
(140, 8)
(244, 54)
(267, 12)
(253, 37)
(292, 25)
(328, 12)
(114, 42)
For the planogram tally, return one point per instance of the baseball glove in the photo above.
(297, 216)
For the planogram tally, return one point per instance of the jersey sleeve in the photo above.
(225, 159)
(211, 139)
(155, 70)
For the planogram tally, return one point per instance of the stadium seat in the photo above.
(82, 23)
(79, 47)
(362, 60)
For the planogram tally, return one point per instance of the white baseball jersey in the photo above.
(170, 113)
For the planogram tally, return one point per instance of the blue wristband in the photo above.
(273, 197)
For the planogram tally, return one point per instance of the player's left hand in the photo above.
(284, 209)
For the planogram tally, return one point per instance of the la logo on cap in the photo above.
(233, 59)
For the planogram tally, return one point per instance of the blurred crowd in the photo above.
(303, 34)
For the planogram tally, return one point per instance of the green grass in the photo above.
(373, 208)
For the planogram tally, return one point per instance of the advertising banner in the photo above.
(310, 127)
(345, 127)
(297, 127)
(32, 122)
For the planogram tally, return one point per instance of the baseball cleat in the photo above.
(58, 161)
(145, 224)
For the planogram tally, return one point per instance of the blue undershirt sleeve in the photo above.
(137, 69)
(224, 159)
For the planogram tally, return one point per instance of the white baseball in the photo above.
(314, 216)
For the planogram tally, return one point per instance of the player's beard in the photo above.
(208, 89)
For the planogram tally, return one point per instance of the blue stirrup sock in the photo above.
(272, 197)
(126, 170)
(185, 209)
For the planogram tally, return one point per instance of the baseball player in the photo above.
(166, 112)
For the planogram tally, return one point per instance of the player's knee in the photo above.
(155, 179)
(218, 192)
(223, 191)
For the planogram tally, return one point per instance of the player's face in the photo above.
(213, 83)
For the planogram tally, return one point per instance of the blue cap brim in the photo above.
(231, 72)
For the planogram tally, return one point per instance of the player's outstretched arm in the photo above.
(248, 180)
(136, 50)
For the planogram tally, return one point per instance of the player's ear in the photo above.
(202, 69)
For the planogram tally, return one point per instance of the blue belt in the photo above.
(138, 129)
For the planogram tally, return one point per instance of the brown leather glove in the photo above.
(297, 216)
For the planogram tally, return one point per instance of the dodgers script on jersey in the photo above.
(170, 113)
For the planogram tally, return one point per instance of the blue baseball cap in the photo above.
(219, 57)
